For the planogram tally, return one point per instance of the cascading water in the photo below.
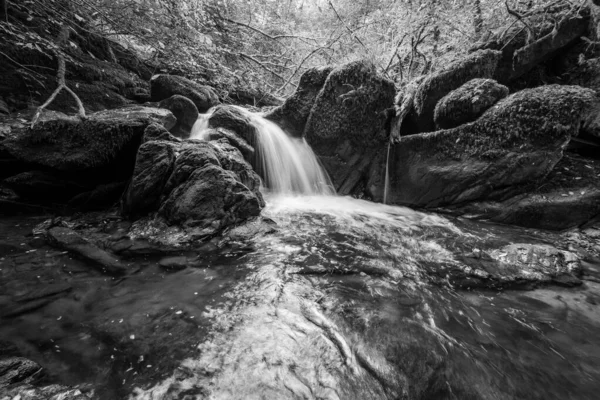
(286, 164)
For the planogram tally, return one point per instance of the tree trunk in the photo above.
(477, 18)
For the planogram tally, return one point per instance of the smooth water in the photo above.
(287, 165)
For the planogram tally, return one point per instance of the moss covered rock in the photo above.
(102, 146)
(164, 86)
(236, 119)
(431, 89)
(468, 102)
(201, 186)
(347, 126)
(515, 143)
(185, 111)
(292, 115)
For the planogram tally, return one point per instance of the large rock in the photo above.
(104, 144)
(522, 50)
(164, 86)
(292, 115)
(468, 102)
(44, 187)
(185, 111)
(347, 126)
(235, 119)
(568, 197)
(201, 186)
(420, 109)
(513, 144)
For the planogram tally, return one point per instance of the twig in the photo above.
(246, 56)
(346, 26)
(395, 52)
(62, 38)
(266, 34)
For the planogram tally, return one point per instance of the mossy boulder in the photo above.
(515, 143)
(435, 86)
(163, 86)
(468, 102)
(103, 144)
(523, 50)
(185, 111)
(200, 186)
(292, 115)
(348, 124)
(236, 119)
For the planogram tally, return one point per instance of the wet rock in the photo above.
(104, 144)
(210, 200)
(153, 167)
(233, 139)
(347, 125)
(67, 239)
(234, 119)
(185, 111)
(516, 142)
(203, 186)
(158, 132)
(468, 102)
(16, 370)
(431, 89)
(292, 115)
(164, 86)
(20, 309)
(174, 263)
(568, 197)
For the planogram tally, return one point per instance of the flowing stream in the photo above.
(326, 298)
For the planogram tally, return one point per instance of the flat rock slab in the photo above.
(70, 240)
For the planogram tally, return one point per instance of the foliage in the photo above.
(268, 44)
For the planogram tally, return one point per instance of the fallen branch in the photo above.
(246, 56)
(60, 76)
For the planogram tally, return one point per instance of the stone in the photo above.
(515, 143)
(102, 146)
(347, 126)
(468, 102)
(292, 115)
(185, 111)
(201, 186)
(153, 166)
(234, 119)
(435, 86)
(228, 136)
(17, 369)
(568, 197)
(68, 239)
(163, 86)
(520, 54)
(4, 110)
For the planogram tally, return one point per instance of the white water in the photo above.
(287, 165)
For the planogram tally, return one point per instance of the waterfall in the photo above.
(286, 164)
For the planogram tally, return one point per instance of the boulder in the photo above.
(185, 111)
(347, 125)
(420, 109)
(101, 197)
(468, 102)
(153, 167)
(568, 197)
(515, 143)
(163, 86)
(234, 119)
(228, 136)
(292, 115)
(522, 51)
(101, 147)
(201, 186)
